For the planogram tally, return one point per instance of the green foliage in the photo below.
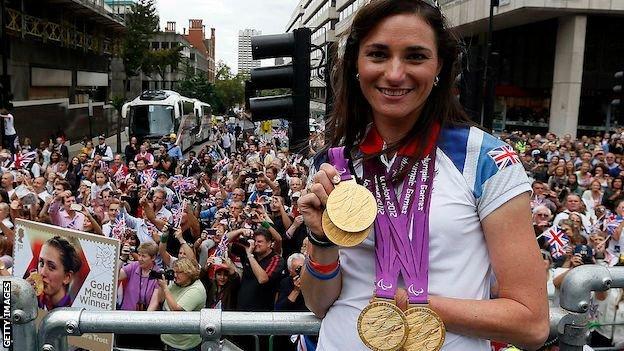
(230, 88)
(198, 87)
(157, 61)
(118, 102)
(141, 26)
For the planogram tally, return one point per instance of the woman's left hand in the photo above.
(162, 283)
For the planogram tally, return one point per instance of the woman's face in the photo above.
(100, 179)
(75, 161)
(180, 277)
(52, 271)
(146, 261)
(599, 172)
(595, 186)
(221, 277)
(397, 64)
(616, 184)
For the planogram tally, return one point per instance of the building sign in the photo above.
(68, 268)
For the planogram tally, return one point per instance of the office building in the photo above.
(245, 62)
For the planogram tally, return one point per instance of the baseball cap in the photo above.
(220, 266)
(101, 136)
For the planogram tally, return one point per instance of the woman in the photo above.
(397, 74)
(569, 167)
(185, 293)
(140, 293)
(558, 180)
(601, 173)
(222, 290)
(58, 262)
(584, 176)
(592, 197)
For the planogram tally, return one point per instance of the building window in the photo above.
(155, 45)
(164, 45)
(145, 85)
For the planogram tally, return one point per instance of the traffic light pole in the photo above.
(487, 108)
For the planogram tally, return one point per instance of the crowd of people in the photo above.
(217, 228)
(222, 228)
(578, 207)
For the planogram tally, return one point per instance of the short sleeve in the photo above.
(500, 176)
(194, 299)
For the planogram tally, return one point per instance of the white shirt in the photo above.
(9, 128)
(467, 187)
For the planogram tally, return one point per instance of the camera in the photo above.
(168, 274)
(298, 271)
(585, 252)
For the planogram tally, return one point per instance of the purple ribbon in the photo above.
(340, 162)
(407, 251)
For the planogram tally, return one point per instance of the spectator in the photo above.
(261, 273)
(10, 135)
(104, 151)
(185, 293)
(140, 292)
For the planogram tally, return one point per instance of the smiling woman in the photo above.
(449, 199)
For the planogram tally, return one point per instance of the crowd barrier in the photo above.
(568, 323)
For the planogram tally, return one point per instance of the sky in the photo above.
(228, 17)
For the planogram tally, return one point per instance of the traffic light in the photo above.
(617, 88)
(5, 95)
(296, 76)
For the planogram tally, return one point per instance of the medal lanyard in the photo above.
(398, 249)
(340, 162)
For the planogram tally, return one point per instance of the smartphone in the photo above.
(76, 207)
(211, 231)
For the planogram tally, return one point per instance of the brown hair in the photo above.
(351, 114)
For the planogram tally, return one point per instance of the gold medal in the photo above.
(38, 283)
(426, 330)
(339, 236)
(382, 326)
(351, 207)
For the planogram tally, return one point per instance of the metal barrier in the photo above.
(568, 323)
(23, 312)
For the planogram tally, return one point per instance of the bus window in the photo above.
(151, 120)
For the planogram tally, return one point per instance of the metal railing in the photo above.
(568, 323)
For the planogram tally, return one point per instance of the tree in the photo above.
(230, 88)
(141, 26)
(198, 87)
(157, 61)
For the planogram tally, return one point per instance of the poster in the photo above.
(71, 269)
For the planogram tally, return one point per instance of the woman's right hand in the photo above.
(312, 204)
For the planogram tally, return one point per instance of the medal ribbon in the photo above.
(340, 162)
(407, 251)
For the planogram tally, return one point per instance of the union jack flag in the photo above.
(177, 214)
(120, 174)
(118, 231)
(557, 241)
(612, 222)
(23, 159)
(504, 156)
(183, 184)
(222, 163)
(221, 250)
(148, 177)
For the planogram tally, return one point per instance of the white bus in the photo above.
(204, 111)
(157, 113)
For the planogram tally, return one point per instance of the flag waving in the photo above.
(23, 159)
(118, 231)
(558, 241)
